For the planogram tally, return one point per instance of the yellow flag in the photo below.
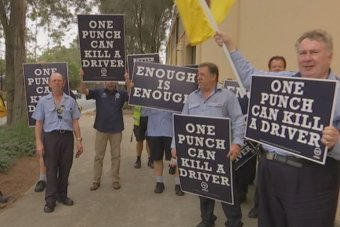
(220, 9)
(195, 22)
(197, 26)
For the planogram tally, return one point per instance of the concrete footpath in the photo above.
(134, 205)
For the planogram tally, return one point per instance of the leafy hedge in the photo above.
(15, 142)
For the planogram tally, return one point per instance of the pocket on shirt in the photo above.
(193, 106)
(216, 106)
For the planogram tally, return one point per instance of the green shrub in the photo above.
(15, 142)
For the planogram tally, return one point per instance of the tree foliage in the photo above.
(62, 54)
(145, 22)
(13, 14)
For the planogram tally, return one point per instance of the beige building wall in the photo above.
(261, 29)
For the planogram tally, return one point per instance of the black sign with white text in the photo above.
(160, 86)
(102, 47)
(202, 144)
(36, 77)
(290, 113)
(132, 58)
(243, 99)
(249, 149)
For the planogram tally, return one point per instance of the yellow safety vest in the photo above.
(137, 112)
(3, 110)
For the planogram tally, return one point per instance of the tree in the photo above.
(56, 14)
(62, 54)
(145, 22)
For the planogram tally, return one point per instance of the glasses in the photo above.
(60, 111)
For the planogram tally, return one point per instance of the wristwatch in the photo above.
(79, 139)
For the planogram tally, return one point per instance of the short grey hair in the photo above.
(318, 35)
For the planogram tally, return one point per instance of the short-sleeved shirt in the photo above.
(159, 123)
(46, 111)
(221, 103)
(109, 109)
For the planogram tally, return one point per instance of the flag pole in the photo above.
(225, 49)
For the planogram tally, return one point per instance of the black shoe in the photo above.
(205, 224)
(3, 199)
(159, 187)
(49, 207)
(178, 190)
(138, 164)
(209, 223)
(40, 186)
(150, 163)
(66, 201)
(253, 213)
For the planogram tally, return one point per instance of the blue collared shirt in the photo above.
(46, 111)
(109, 109)
(221, 103)
(246, 70)
(159, 122)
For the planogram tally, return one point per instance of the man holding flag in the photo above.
(304, 194)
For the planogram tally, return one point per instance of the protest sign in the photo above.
(249, 149)
(160, 86)
(202, 144)
(102, 47)
(243, 98)
(132, 58)
(36, 77)
(290, 113)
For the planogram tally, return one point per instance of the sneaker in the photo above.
(116, 185)
(159, 187)
(49, 207)
(40, 186)
(94, 186)
(150, 163)
(138, 164)
(178, 190)
(253, 213)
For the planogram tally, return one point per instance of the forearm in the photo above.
(83, 88)
(76, 129)
(38, 133)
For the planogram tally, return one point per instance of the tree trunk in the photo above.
(15, 56)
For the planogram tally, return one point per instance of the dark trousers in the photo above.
(58, 160)
(295, 197)
(244, 176)
(232, 212)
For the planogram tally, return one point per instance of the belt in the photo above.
(288, 160)
(61, 131)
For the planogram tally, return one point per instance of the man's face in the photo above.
(314, 59)
(56, 82)
(111, 86)
(277, 65)
(205, 79)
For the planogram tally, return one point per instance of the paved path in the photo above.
(134, 205)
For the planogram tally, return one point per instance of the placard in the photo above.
(290, 113)
(159, 86)
(102, 47)
(202, 144)
(36, 77)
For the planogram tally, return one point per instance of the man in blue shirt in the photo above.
(56, 118)
(160, 132)
(109, 125)
(209, 100)
(306, 193)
